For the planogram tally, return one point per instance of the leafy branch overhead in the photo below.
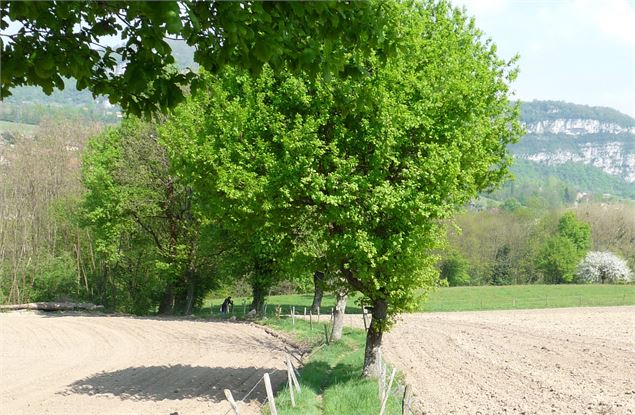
(53, 40)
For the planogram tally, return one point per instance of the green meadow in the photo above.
(467, 299)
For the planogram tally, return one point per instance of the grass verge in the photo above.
(331, 377)
(507, 297)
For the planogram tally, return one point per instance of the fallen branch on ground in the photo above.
(50, 306)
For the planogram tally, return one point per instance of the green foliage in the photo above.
(62, 39)
(363, 168)
(454, 271)
(561, 252)
(144, 220)
(502, 271)
(576, 231)
(56, 279)
(558, 259)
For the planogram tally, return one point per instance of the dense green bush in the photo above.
(56, 279)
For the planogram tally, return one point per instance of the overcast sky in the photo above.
(580, 51)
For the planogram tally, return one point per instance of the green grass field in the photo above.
(15, 127)
(470, 298)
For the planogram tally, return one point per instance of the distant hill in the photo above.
(29, 105)
(570, 149)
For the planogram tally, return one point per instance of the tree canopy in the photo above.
(362, 167)
(64, 39)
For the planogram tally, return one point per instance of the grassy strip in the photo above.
(330, 379)
(472, 298)
(528, 297)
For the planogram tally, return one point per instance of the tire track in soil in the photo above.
(60, 364)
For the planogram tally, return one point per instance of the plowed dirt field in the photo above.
(68, 365)
(552, 361)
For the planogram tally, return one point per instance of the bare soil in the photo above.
(552, 361)
(61, 364)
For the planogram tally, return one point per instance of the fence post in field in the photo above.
(364, 317)
(232, 402)
(311, 320)
(291, 371)
(514, 303)
(387, 392)
(379, 375)
(290, 383)
(304, 311)
(405, 403)
(272, 403)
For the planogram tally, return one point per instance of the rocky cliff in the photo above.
(558, 133)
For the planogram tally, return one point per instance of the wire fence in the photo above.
(468, 304)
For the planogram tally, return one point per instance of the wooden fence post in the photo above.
(387, 392)
(232, 402)
(364, 316)
(272, 403)
(291, 370)
(290, 385)
(405, 403)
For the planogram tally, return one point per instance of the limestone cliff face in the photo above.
(576, 127)
(607, 145)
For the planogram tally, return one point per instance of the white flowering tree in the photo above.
(603, 267)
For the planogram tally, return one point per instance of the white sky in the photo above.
(580, 51)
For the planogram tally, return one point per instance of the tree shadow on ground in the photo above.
(155, 383)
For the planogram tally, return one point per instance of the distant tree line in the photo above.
(519, 245)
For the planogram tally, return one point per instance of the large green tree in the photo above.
(145, 221)
(366, 166)
(44, 41)
(560, 254)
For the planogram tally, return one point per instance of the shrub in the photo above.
(603, 267)
(454, 271)
(55, 280)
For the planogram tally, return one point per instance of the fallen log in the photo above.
(50, 306)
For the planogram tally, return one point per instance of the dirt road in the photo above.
(52, 364)
(554, 361)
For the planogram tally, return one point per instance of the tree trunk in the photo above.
(166, 306)
(338, 315)
(189, 299)
(373, 339)
(258, 302)
(318, 293)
